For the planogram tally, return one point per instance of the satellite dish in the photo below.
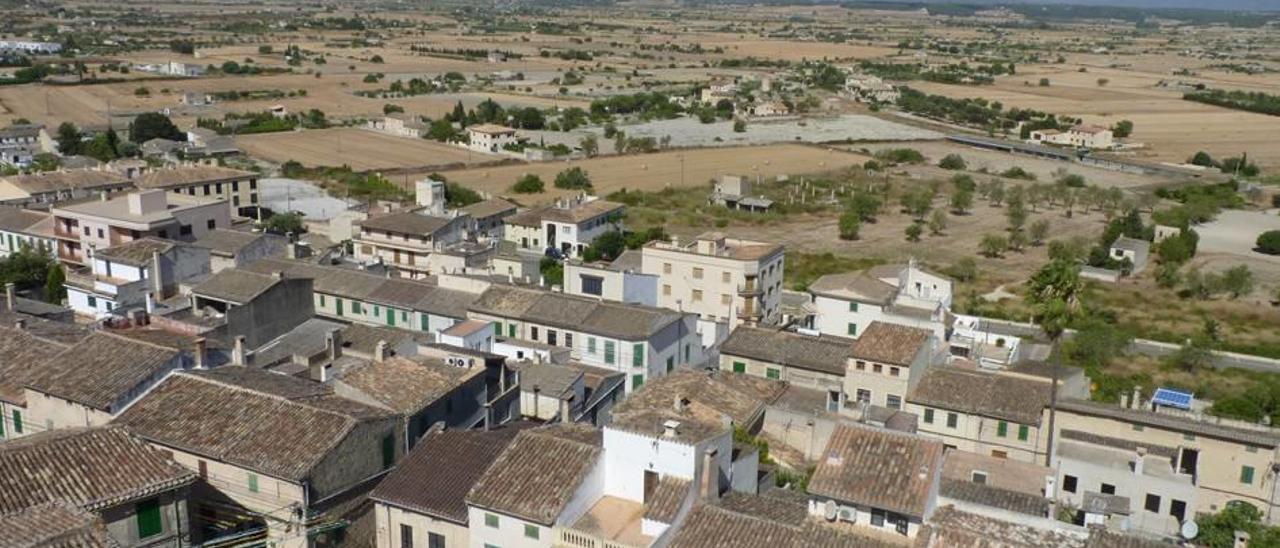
(829, 510)
(1190, 529)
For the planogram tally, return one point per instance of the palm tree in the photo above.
(1055, 292)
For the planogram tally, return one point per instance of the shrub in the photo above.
(529, 184)
(1269, 242)
(850, 224)
(574, 178)
(901, 156)
(953, 162)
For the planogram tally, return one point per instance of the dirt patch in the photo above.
(359, 148)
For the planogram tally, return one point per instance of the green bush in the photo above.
(953, 162)
(529, 184)
(1269, 242)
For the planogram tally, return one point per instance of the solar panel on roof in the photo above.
(1172, 398)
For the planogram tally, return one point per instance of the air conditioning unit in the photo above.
(847, 513)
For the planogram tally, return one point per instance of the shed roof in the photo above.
(101, 369)
(890, 343)
(1007, 397)
(824, 354)
(878, 468)
(536, 476)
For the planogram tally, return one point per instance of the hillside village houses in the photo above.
(490, 138)
(20, 143)
(1080, 136)
(419, 393)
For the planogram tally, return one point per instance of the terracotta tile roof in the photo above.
(538, 473)
(716, 526)
(407, 222)
(418, 485)
(740, 398)
(994, 395)
(190, 175)
(20, 353)
(235, 285)
(274, 435)
(137, 252)
(879, 468)
(91, 468)
(570, 215)
(76, 179)
(857, 286)
(14, 219)
(694, 421)
(488, 208)
(824, 354)
(890, 343)
(102, 369)
(615, 320)
(780, 505)
(53, 525)
(666, 500)
(408, 385)
(995, 497)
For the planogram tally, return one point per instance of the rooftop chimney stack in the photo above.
(198, 351)
(670, 429)
(709, 482)
(238, 356)
(380, 352)
(11, 296)
(1140, 461)
(1136, 401)
(157, 276)
(333, 343)
(20, 324)
(565, 410)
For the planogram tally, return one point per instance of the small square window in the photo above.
(1024, 432)
(1107, 489)
(980, 477)
(1246, 475)
(1152, 504)
(894, 372)
(491, 521)
(773, 373)
(697, 273)
(877, 368)
(860, 365)
(531, 531)
(1069, 484)
(952, 420)
(928, 416)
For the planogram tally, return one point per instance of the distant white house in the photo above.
(400, 125)
(31, 47)
(1082, 136)
(490, 137)
(1135, 250)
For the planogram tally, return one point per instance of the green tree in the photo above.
(606, 247)
(1218, 530)
(590, 145)
(993, 245)
(1055, 292)
(529, 183)
(27, 268)
(1268, 242)
(850, 225)
(865, 204)
(55, 285)
(153, 125)
(69, 138)
(284, 223)
(937, 222)
(574, 178)
(953, 162)
(552, 271)
(99, 148)
(1122, 129)
(913, 232)
(1237, 281)
(739, 126)
(1039, 231)
(961, 201)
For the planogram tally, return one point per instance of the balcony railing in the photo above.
(573, 538)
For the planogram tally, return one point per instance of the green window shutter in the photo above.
(1, 426)
(491, 520)
(852, 330)
(253, 483)
(1246, 474)
(1024, 432)
(337, 304)
(739, 367)
(147, 513)
(391, 317)
(853, 307)
(608, 352)
(321, 300)
(424, 322)
(928, 416)
(773, 373)
(637, 381)
(531, 531)
(671, 363)
(388, 451)
(591, 345)
(637, 355)
(1002, 429)
(511, 330)
(17, 421)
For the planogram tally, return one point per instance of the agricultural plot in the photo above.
(359, 148)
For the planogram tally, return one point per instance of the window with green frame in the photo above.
(609, 356)
(531, 531)
(511, 330)
(671, 363)
(491, 520)
(253, 483)
(637, 381)
(322, 300)
(637, 355)
(852, 330)
(928, 416)
(739, 367)
(591, 345)
(773, 373)
(1002, 429)
(356, 308)
(1246, 475)
(17, 421)
(1024, 432)
(424, 321)
(147, 514)
(853, 307)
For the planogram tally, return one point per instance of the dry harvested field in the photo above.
(359, 148)
(1174, 129)
(660, 170)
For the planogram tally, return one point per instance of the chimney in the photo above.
(150, 299)
(679, 404)
(198, 351)
(1139, 461)
(1136, 401)
(1124, 401)
(333, 343)
(238, 356)
(157, 277)
(11, 296)
(488, 415)
(670, 429)
(709, 482)
(277, 274)
(380, 352)
(565, 417)
(20, 324)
